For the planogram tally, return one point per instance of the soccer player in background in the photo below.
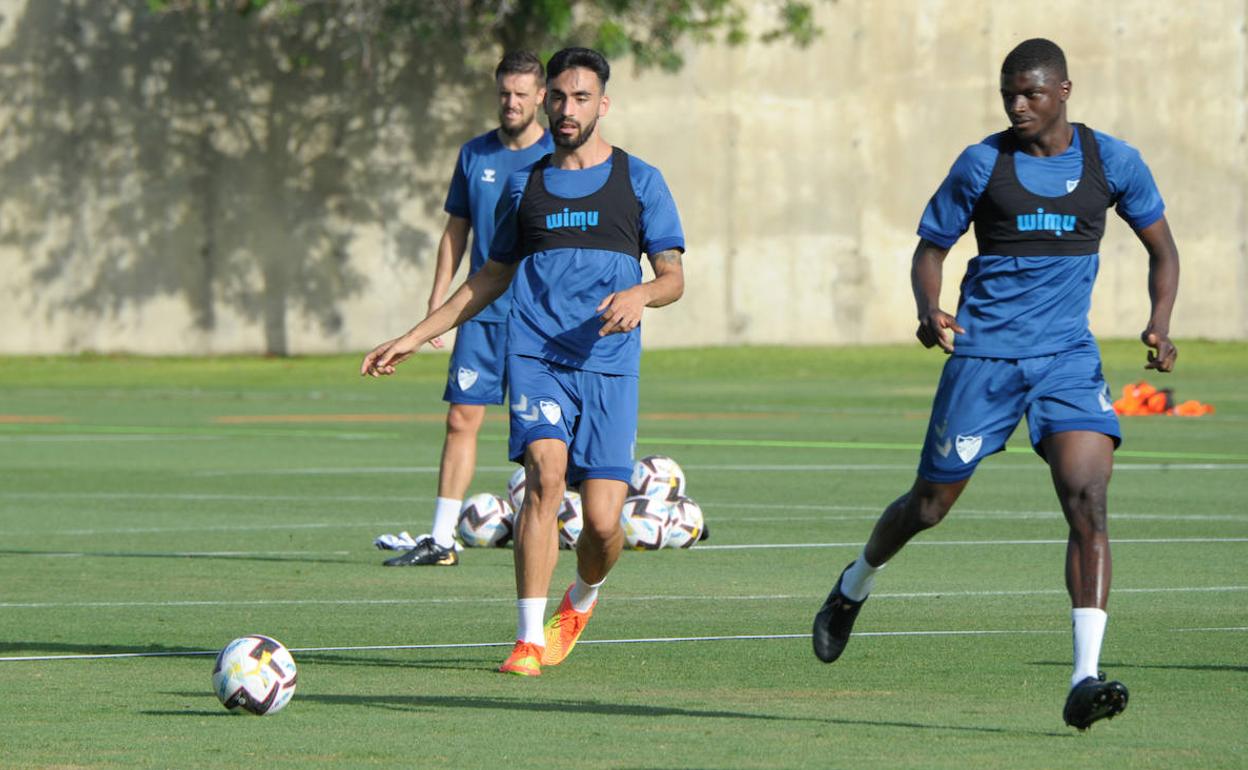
(571, 229)
(1020, 344)
(477, 373)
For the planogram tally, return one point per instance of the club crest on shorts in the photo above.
(466, 377)
(550, 410)
(968, 447)
(1103, 396)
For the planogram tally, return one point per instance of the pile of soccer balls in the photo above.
(657, 513)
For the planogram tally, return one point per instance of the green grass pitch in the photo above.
(169, 505)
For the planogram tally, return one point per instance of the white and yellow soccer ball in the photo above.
(685, 523)
(515, 489)
(659, 477)
(645, 523)
(571, 520)
(485, 520)
(255, 674)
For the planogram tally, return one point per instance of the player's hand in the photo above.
(382, 359)
(933, 327)
(1162, 353)
(621, 311)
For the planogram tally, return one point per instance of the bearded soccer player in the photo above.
(477, 375)
(571, 229)
(1037, 195)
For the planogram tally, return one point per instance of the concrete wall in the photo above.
(800, 176)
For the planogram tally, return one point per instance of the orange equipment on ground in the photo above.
(1140, 398)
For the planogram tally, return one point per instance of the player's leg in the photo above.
(456, 468)
(541, 420)
(475, 377)
(977, 405)
(600, 462)
(536, 550)
(1074, 428)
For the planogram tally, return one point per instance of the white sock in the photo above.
(1089, 630)
(857, 581)
(583, 595)
(529, 627)
(445, 517)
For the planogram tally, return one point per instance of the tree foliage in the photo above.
(652, 32)
(229, 152)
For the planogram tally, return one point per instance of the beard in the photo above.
(576, 140)
(517, 126)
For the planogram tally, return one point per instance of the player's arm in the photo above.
(451, 249)
(621, 311)
(1163, 287)
(481, 288)
(926, 276)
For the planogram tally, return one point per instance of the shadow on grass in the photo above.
(449, 664)
(1153, 666)
(63, 648)
(579, 707)
(300, 558)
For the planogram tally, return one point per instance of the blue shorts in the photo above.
(980, 400)
(595, 414)
(478, 371)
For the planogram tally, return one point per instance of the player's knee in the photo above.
(600, 530)
(924, 509)
(546, 485)
(1086, 507)
(462, 420)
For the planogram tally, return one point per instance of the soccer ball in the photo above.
(515, 489)
(685, 523)
(658, 477)
(254, 673)
(571, 520)
(644, 521)
(485, 520)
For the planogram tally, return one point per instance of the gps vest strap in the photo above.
(608, 219)
(1014, 222)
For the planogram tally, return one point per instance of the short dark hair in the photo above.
(519, 63)
(1035, 54)
(579, 57)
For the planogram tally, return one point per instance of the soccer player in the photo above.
(571, 229)
(1020, 344)
(477, 375)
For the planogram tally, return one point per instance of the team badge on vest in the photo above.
(550, 410)
(466, 378)
(968, 447)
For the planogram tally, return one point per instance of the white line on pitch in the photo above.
(1229, 628)
(472, 645)
(620, 599)
(98, 437)
(192, 554)
(743, 468)
(858, 544)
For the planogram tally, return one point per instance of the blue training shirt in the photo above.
(556, 293)
(481, 171)
(1019, 307)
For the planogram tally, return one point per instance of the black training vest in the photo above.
(608, 219)
(1013, 222)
